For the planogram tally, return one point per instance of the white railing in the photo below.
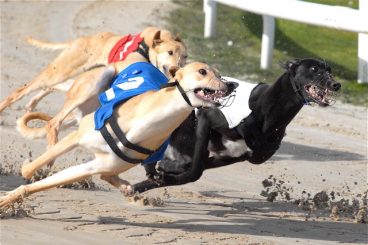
(337, 17)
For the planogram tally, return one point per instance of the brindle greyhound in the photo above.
(205, 140)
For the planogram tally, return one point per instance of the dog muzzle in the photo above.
(217, 97)
(319, 95)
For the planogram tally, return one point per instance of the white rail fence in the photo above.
(336, 17)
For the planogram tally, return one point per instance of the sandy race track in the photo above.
(321, 167)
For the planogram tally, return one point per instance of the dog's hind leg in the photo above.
(84, 87)
(69, 63)
(35, 99)
(63, 87)
(103, 164)
(18, 94)
(66, 176)
(66, 144)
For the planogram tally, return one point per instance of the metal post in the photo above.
(210, 8)
(363, 47)
(268, 37)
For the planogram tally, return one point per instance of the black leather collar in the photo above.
(143, 50)
(176, 83)
(298, 91)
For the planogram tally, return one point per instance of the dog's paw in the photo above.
(127, 190)
(12, 205)
(30, 106)
(12, 197)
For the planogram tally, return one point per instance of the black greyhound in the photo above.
(205, 140)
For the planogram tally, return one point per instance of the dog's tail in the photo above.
(47, 45)
(32, 133)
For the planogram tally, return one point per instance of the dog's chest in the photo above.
(227, 148)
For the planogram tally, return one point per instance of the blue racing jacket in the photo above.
(136, 79)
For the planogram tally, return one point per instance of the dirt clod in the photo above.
(332, 203)
(321, 199)
(146, 201)
(266, 183)
(272, 196)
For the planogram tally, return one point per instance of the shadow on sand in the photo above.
(310, 153)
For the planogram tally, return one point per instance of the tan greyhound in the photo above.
(163, 51)
(147, 119)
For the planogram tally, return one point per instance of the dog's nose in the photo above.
(231, 86)
(336, 86)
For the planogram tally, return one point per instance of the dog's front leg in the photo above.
(146, 185)
(200, 155)
(151, 171)
(123, 185)
(85, 86)
(195, 169)
(156, 179)
(224, 161)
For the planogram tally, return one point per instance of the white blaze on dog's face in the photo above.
(167, 52)
(202, 84)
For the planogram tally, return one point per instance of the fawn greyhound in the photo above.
(76, 71)
(147, 119)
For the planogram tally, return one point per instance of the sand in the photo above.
(324, 152)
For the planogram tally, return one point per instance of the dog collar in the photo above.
(143, 50)
(297, 91)
(176, 83)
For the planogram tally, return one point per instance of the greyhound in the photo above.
(208, 139)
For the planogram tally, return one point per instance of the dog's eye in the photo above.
(170, 52)
(314, 68)
(202, 72)
(185, 56)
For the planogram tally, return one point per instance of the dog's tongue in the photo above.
(201, 93)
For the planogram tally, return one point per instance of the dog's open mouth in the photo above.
(210, 95)
(321, 96)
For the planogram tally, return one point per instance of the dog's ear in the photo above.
(152, 36)
(156, 39)
(177, 38)
(291, 65)
(173, 70)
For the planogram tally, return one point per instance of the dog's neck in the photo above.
(277, 105)
(130, 59)
(156, 113)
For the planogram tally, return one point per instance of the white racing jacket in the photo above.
(239, 108)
